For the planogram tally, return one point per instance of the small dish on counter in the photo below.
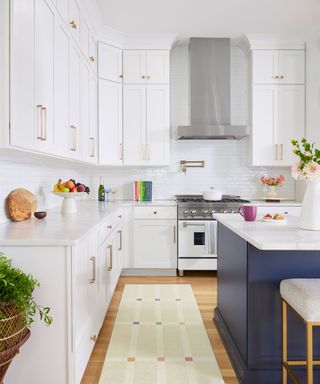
(40, 215)
(275, 219)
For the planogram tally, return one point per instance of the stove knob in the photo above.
(186, 212)
(213, 211)
(205, 212)
(232, 211)
(193, 212)
(225, 211)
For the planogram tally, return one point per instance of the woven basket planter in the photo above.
(13, 333)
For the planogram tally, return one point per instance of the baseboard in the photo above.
(149, 272)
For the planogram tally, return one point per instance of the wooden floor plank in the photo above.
(204, 286)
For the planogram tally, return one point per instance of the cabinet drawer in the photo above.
(155, 212)
(293, 211)
(109, 225)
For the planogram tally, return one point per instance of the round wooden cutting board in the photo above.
(21, 204)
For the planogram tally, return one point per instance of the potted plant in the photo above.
(17, 311)
(308, 169)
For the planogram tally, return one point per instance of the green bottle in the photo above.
(101, 191)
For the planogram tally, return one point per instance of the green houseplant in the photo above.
(17, 311)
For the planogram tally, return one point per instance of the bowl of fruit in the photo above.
(69, 190)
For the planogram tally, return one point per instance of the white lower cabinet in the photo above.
(77, 283)
(155, 239)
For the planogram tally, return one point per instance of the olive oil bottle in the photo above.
(101, 191)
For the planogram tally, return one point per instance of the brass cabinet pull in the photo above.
(73, 24)
(281, 77)
(281, 151)
(92, 149)
(91, 58)
(277, 77)
(143, 152)
(74, 138)
(276, 151)
(120, 216)
(109, 226)
(120, 237)
(143, 77)
(109, 248)
(174, 234)
(121, 151)
(93, 279)
(120, 76)
(93, 338)
(39, 122)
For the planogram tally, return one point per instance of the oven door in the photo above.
(197, 239)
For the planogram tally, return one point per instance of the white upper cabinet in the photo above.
(278, 116)
(141, 67)
(110, 123)
(158, 125)
(74, 19)
(134, 124)
(278, 66)
(74, 104)
(32, 76)
(110, 63)
(292, 66)
(61, 90)
(158, 67)
(134, 67)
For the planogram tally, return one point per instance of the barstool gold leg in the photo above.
(309, 353)
(284, 343)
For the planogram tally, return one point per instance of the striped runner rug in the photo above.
(159, 338)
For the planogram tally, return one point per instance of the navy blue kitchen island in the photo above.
(252, 260)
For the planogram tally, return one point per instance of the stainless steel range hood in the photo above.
(209, 87)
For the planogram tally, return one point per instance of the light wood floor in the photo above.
(204, 286)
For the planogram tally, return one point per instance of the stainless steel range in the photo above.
(197, 230)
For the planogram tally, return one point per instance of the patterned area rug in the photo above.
(159, 338)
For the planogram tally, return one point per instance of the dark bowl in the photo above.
(40, 215)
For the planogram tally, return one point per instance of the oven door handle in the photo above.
(185, 225)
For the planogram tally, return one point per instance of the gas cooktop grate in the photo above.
(201, 200)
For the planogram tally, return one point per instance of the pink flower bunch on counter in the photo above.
(272, 181)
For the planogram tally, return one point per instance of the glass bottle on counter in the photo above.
(101, 191)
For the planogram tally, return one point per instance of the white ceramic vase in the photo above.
(272, 192)
(310, 210)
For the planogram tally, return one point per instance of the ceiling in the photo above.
(215, 18)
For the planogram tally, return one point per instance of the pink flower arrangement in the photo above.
(272, 181)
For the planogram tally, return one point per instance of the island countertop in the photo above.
(272, 236)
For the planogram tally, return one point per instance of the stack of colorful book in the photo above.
(142, 190)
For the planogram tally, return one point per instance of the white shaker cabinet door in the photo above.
(110, 123)
(264, 124)
(291, 121)
(92, 140)
(61, 91)
(74, 104)
(158, 67)
(74, 19)
(110, 63)
(155, 244)
(292, 66)
(134, 124)
(158, 125)
(24, 132)
(265, 67)
(134, 67)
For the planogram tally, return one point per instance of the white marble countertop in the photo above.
(270, 236)
(59, 230)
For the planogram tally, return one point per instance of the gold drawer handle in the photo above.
(109, 248)
(93, 338)
(93, 279)
(91, 58)
(109, 226)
